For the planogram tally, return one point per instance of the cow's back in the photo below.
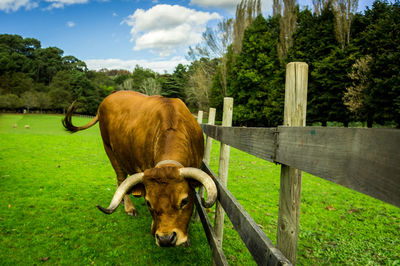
(143, 129)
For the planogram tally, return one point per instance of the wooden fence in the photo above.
(365, 160)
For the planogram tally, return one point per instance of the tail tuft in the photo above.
(67, 121)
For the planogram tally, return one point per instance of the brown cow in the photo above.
(158, 142)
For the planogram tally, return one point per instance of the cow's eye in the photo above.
(148, 204)
(184, 202)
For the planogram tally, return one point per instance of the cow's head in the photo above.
(170, 199)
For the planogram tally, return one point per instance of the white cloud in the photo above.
(159, 66)
(62, 3)
(166, 28)
(14, 5)
(70, 24)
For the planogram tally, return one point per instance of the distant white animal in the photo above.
(27, 127)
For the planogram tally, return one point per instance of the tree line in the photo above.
(353, 58)
(43, 79)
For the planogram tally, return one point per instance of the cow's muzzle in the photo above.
(167, 240)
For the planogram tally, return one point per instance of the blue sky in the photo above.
(120, 34)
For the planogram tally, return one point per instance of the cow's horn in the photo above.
(206, 180)
(122, 189)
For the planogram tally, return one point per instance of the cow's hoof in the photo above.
(133, 213)
(186, 244)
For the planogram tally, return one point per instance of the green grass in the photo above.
(50, 182)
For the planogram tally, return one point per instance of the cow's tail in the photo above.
(67, 122)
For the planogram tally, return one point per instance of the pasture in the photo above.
(51, 181)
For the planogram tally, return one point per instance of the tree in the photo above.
(10, 101)
(246, 12)
(62, 80)
(330, 76)
(150, 86)
(377, 34)
(139, 75)
(257, 85)
(12, 54)
(276, 8)
(288, 23)
(29, 99)
(314, 40)
(43, 101)
(15, 83)
(32, 76)
(354, 95)
(199, 83)
(218, 40)
(60, 90)
(170, 86)
(84, 90)
(72, 63)
(31, 45)
(320, 5)
(216, 97)
(60, 99)
(100, 78)
(344, 12)
(180, 80)
(118, 75)
(128, 85)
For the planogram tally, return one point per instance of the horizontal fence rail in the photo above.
(259, 245)
(365, 160)
(218, 254)
(259, 142)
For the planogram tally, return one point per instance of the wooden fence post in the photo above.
(223, 169)
(207, 152)
(200, 121)
(200, 117)
(290, 193)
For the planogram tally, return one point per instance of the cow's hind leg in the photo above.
(121, 176)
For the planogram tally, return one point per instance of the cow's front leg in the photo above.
(128, 205)
(121, 176)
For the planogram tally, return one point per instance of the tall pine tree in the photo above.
(257, 83)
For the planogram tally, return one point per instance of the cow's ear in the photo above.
(194, 183)
(138, 190)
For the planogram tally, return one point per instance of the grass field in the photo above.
(51, 181)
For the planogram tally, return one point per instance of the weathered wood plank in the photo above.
(207, 152)
(207, 148)
(217, 253)
(223, 169)
(253, 140)
(290, 187)
(259, 245)
(200, 117)
(365, 160)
